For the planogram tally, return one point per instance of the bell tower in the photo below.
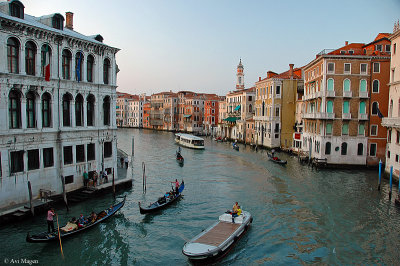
(240, 76)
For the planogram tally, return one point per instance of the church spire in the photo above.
(240, 76)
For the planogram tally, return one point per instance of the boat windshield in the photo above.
(198, 142)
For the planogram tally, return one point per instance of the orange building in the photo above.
(146, 115)
(211, 113)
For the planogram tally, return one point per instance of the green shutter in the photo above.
(362, 107)
(346, 85)
(345, 129)
(329, 107)
(330, 84)
(328, 129)
(363, 85)
(346, 107)
(361, 129)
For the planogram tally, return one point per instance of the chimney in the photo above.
(291, 70)
(259, 78)
(69, 23)
(346, 43)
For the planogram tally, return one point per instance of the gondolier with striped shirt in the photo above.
(176, 186)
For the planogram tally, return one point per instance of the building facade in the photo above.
(58, 116)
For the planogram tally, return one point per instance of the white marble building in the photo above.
(59, 127)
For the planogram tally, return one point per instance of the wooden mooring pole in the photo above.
(30, 199)
(64, 192)
(133, 146)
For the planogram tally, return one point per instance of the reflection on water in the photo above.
(300, 215)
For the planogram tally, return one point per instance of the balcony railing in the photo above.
(347, 94)
(362, 116)
(346, 116)
(330, 93)
(310, 115)
(325, 115)
(363, 94)
(391, 122)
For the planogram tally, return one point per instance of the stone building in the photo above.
(58, 92)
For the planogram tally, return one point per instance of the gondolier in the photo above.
(50, 220)
(176, 182)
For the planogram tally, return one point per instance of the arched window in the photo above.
(30, 58)
(344, 148)
(14, 109)
(89, 71)
(46, 110)
(363, 85)
(329, 106)
(13, 55)
(375, 107)
(330, 85)
(78, 66)
(346, 85)
(16, 9)
(106, 110)
(90, 110)
(66, 104)
(66, 64)
(375, 86)
(360, 149)
(106, 71)
(79, 110)
(30, 110)
(362, 107)
(263, 108)
(328, 148)
(391, 108)
(250, 108)
(46, 59)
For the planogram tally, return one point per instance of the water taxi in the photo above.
(189, 141)
(216, 241)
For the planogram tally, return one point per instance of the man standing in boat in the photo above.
(50, 220)
(176, 186)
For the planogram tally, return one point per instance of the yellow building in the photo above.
(275, 108)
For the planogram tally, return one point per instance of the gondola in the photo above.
(162, 202)
(275, 159)
(235, 146)
(179, 158)
(101, 216)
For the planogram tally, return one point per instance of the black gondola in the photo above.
(275, 159)
(235, 146)
(179, 158)
(162, 202)
(101, 216)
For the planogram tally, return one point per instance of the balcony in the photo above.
(318, 94)
(330, 93)
(363, 94)
(347, 94)
(393, 122)
(325, 115)
(310, 115)
(346, 116)
(261, 118)
(362, 116)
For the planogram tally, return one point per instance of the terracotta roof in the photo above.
(286, 75)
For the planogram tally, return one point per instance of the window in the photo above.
(277, 111)
(68, 155)
(90, 62)
(346, 85)
(13, 55)
(344, 148)
(90, 110)
(375, 86)
(360, 149)
(363, 68)
(66, 110)
(397, 158)
(346, 107)
(58, 22)
(351, 52)
(374, 130)
(278, 90)
(106, 71)
(394, 48)
(66, 64)
(17, 161)
(48, 157)
(14, 109)
(362, 108)
(30, 110)
(30, 58)
(372, 149)
(329, 106)
(345, 129)
(329, 129)
(107, 149)
(69, 179)
(106, 111)
(397, 137)
(16, 10)
(387, 48)
(378, 47)
(79, 110)
(80, 153)
(361, 129)
(33, 159)
(375, 107)
(46, 59)
(46, 110)
(376, 67)
(389, 136)
(78, 66)
(328, 148)
(330, 85)
(347, 68)
(363, 85)
(331, 68)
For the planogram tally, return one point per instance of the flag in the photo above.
(379, 113)
(78, 68)
(46, 65)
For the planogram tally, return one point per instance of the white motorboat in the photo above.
(216, 241)
(190, 141)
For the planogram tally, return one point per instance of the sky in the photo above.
(196, 45)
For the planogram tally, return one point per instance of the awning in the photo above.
(187, 116)
(237, 108)
(231, 119)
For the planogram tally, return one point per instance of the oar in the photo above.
(59, 237)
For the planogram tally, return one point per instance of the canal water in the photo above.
(301, 215)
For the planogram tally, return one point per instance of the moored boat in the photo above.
(190, 141)
(216, 241)
(276, 159)
(162, 202)
(235, 146)
(101, 216)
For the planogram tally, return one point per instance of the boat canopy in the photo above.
(231, 119)
(187, 116)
